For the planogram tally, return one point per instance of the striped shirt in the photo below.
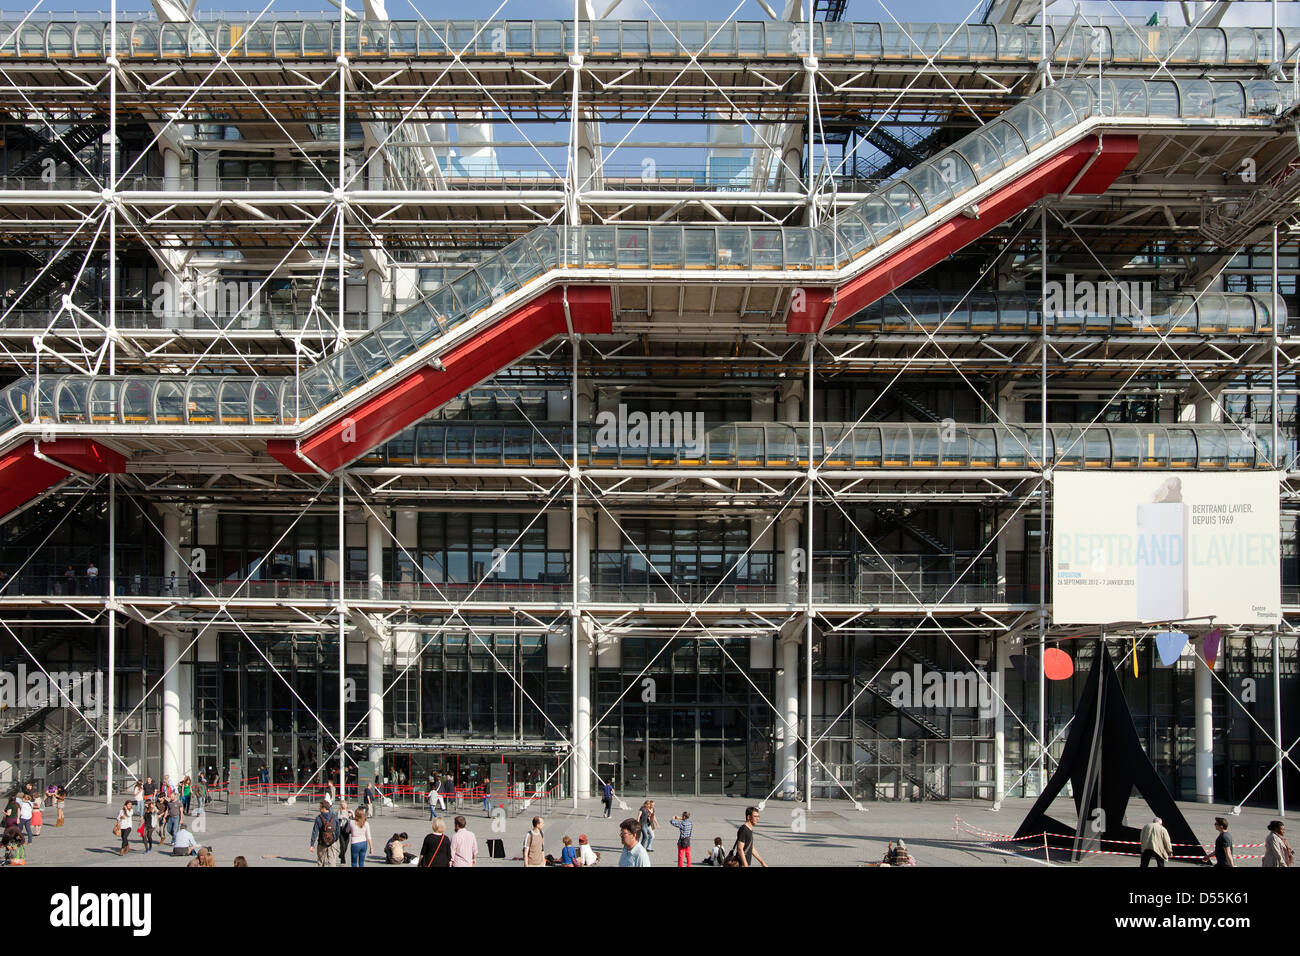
(683, 838)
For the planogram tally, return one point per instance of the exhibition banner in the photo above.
(1158, 546)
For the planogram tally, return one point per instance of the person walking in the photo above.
(325, 836)
(148, 824)
(634, 853)
(185, 795)
(1222, 853)
(1155, 843)
(359, 837)
(648, 822)
(1277, 852)
(25, 815)
(683, 825)
(60, 798)
(137, 794)
(535, 845)
(38, 818)
(743, 852)
(435, 794)
(174, 816)
(345, 834)
(433, 802)
(464, 846)
(123, 827)
(436, 850)
(200, 790)
(607, 797)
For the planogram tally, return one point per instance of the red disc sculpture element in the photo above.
(1057, 664)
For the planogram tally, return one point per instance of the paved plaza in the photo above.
(833, 834)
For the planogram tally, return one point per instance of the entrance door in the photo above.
(659, 772)
(685, 753)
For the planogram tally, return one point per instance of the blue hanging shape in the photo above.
(1170, 645)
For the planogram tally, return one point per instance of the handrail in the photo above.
(1235, 313)
(144, 39)
(933, 192)
(839, 446)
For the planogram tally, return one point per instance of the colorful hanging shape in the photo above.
(1135, 656)
(1170, 646)
(1057, 665)
(1212, 641)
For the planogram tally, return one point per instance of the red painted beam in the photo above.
(1053, 175)
(23, 476)
(422, 391)
(85, 455)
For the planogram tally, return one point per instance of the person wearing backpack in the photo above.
(325, 836)
(535, 845)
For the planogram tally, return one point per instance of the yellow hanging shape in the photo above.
(1135, 657)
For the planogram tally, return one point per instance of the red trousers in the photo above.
(683, 856)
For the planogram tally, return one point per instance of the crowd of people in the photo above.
(342, 836)
(162, 809)
(24, 817)
(636, 836)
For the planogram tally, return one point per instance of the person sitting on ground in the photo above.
(395, 850)
(586, 855)
(184, 844)
(240, 861)
(568, 855)
(897, 855)
(205, 858)
(716, 853)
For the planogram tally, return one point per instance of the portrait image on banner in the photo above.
(1155, 546)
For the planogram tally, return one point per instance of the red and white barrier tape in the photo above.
(961, 825)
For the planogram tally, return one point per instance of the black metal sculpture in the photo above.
(1104, 760)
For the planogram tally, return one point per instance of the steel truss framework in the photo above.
(360, 217)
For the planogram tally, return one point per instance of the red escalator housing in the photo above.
(23, 476)
(1112, 152)
(424, 389)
